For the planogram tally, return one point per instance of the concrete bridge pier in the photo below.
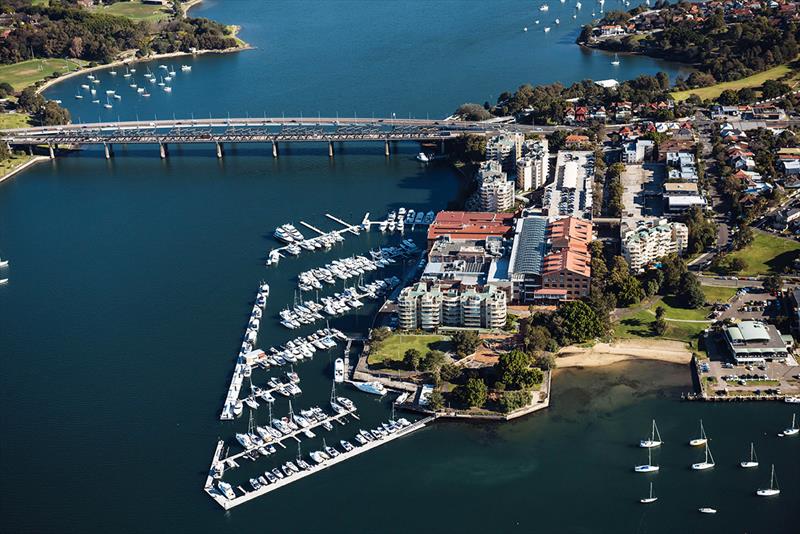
(162, 150)
(386, 148)
(108, 150)
(330, 149)
(274, 149)
(52, 151)
(219, 150)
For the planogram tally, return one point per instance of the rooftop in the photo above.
(470, 225)
(529, 245)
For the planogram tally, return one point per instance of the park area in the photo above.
(21, 75)
(683, 324)
(392, 349)
(767, 254)
(135, 10)
(756, 80)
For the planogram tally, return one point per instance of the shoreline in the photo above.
(33, 161)
(603, 354)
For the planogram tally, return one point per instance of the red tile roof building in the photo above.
(470, 225)
(568, 266)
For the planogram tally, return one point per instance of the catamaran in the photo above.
(648, 467)
(792, 430)
(773, 486)
(652, 442)
(651, 498)
(708, 463)
(753, 461)
(702, 440)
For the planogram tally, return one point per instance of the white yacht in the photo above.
(773, 486)
(651, 498)
(226, 489)
(707, 510)
(3, 263)
(792, 430)
(338, 370)
(186, 68)
(282, 235)
(544, 7)
(702, 440)
(708, 463)
(547, 30)
(168, 89)
(3, 281)
(648, 467)
(577, 5)
(376, 388)
(422, 156)
(753, 461)
(652, 442)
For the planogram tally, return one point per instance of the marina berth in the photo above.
(225, 495)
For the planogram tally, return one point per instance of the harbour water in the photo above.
(132, 279)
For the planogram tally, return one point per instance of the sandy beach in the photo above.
(624, 350)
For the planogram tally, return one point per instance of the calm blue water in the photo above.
(367, 58)
(131, 281)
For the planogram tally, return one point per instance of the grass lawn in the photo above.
(767, 253)
(675, 310)
(713, 91)
(135, 10)
(21, 75)
(718, 294)
(12, 163)
(394, 348)
(14, 120)
(639, 324)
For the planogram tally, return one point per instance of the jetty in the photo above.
(283, 251)
(227, 503)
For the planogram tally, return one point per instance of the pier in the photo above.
(227, 504)
(283, 251)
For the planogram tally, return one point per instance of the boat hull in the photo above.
(698, 442)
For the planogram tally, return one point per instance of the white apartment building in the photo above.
(496, 191)
(505, 149)
(533, 166)
(653, 240)
(428, 307)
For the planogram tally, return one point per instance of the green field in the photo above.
(13, 120)
(674, 309)
(713, 91)
(394, 348)
(639, 325)
(767, 253)
(718, 294)
(21, 75)
(135, 10)
(14, 162)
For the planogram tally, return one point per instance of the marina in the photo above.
(227, 502)
(295, 242)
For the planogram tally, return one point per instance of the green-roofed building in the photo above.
(757, 342)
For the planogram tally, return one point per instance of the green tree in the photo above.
(53, 114)
(473, 112)
(743, 237)
(412, 359)
(433, 361)
(535, 338)
(660, 311)
(30, 101)
(578, 322)
(773, 283)
(659, 326)
(514, 369)
(475, 392)
(449, 372)
(546, 361)
(691, 293)
(629, 291)
(673, 268)
(514, 400)
(436, 400)
(465, 342)
(6, 89)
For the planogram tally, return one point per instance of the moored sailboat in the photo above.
(702, 440)
(708, 463)
(652, 442)
(753, 461)
(773, 486)
(648, 467)
(651, 498)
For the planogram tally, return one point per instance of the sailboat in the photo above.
(107, 105)
(651, 498)
(702, 440)
(3, 263)
(648, 467)
(753, 461)
(616, 60)
(773, 486)
(652, 442)
(708, 463)
(793, 430)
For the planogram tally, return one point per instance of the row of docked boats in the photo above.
(318, 457)
(654, 440)
(342, 269)
(396, 221)
(233, 406)
(340, 303)
(3, 264)
(303, 347)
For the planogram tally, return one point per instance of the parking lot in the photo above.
(723, 377)
(751, 303)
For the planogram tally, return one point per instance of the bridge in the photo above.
(219, 132)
